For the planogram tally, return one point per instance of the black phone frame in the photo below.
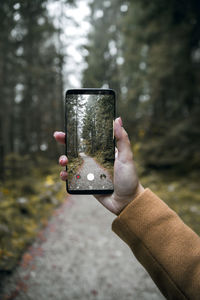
(88, 91)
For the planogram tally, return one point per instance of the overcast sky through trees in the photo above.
(74, 35)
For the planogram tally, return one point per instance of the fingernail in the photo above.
(55, 133)
(119, 119)
(62, 159)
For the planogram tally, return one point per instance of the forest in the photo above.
(90, 125)
(97, 131)
(149, 53)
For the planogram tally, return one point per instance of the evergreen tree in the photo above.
(163, 93)
(103, 46)
(157, 85)
(98, 126)
(31, 87)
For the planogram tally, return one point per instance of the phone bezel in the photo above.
(89, 91)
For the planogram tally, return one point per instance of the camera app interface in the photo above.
(90, 144)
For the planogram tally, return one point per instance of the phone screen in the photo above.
(90, 145)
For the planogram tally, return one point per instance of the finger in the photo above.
(63, 160)
(105, 200)
(63, 175)
(123, 142)
(59, 136)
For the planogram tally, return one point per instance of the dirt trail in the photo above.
(90, 166)
(77, 256)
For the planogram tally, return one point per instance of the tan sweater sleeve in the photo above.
(167, 248)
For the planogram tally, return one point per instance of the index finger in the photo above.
(59, 137)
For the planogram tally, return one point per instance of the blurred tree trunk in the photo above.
(1, 152)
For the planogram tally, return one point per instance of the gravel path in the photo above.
(90, 166)
(78, 257)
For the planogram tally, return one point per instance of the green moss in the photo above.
(25, 206)
(73, 166)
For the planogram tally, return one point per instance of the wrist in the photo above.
(139, 190)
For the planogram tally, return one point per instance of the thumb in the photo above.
(123, 142)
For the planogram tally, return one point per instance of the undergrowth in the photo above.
(25, 206)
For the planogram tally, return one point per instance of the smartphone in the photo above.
(90, 142)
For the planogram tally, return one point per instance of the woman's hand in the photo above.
(126, 183)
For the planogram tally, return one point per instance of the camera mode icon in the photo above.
(90, 176)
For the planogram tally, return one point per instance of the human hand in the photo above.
(126, 183)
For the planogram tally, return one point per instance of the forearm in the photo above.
(164, 245)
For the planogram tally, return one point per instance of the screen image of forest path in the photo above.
(91, 176)
(90, 144)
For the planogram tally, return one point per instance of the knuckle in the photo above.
(125, 134)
